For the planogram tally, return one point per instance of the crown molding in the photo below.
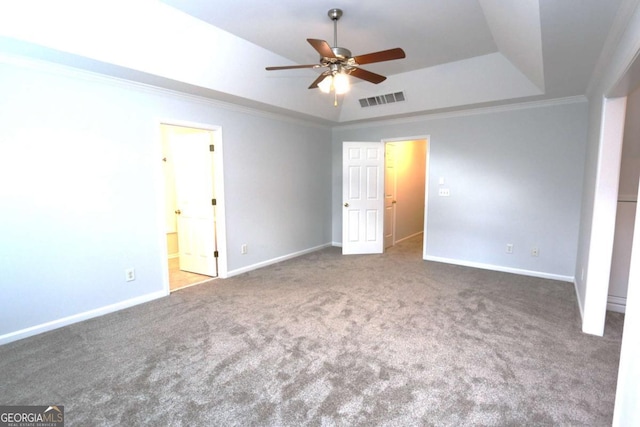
(620, 23)
(92, 76)
(67, 71)
(465, 112)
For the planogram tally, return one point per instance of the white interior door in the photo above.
(363, 195)
(390, 189)
(193, 163)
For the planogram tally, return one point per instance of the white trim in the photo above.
(540, 274)
(276, 260)
(603, 221)
(617, 304)
(65, 321)
(426, 197)
(575, 288)
(336, 244)
(462, 113)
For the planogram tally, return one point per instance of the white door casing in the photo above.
(363, 198)
(390, 190)
(193, 163)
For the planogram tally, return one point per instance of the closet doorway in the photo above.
(190, 204)
(404, 193)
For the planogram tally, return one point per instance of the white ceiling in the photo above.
(460, 53)
(555, 44)
(432, 33)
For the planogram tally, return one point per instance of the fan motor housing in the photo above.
(341, 52)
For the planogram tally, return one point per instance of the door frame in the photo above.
(218, 176)
(427, 139)
(395, 191)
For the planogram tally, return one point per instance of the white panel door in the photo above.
(363, 197)
(193, 163)
(390, 189)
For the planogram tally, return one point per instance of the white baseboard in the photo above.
(617, 304)
(55, 324)
(409, 237)
(339, 244)
(540, 274)
(276, 260)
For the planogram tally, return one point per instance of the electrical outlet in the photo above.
(444, 192)
(535, 252)
(509, 248)
(243, 248)
(130, 274)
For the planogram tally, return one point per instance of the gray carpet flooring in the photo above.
(331, 340)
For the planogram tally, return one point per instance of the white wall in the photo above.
(515, 176)
(82, 191)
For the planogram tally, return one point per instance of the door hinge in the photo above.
(211, 148)
(215, 254)
(214, 202)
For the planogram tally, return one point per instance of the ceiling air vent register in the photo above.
(382, 99)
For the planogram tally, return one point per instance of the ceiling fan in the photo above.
(340, 63)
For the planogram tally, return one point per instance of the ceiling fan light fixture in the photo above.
(326, 84)
(337, 82)
(341, 83)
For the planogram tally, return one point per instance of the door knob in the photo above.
(346, 205)
(178, 211)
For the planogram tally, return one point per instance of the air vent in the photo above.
(382, 99)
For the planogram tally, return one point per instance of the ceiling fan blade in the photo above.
(367, 75)
(292, 67)
(322, 47)
(383, 55)
(318, 80)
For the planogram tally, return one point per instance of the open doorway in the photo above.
(405, 184)
(626, 206)
(190, 204)
(365, 177)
